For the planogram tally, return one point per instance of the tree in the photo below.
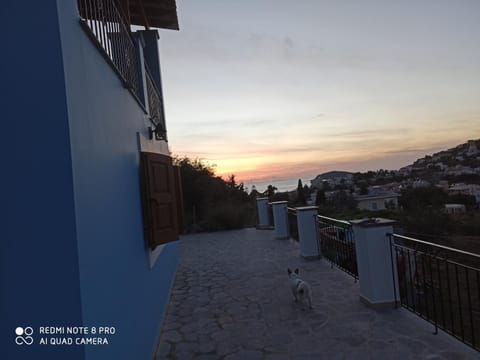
(420, 198)
(363, 188)
(320, 198)
(231, 182)
(270, 191)
(254, 193)
(341, 201)
(211, 203)
(326, 185)
(390, 205)
(301, 200)
(280, 196)
(306, 190)
(468, 200)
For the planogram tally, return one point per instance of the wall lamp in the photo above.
(157, 132)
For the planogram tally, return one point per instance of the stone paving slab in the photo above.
(231, 300)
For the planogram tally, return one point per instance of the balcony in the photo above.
(231, 299)
(132, 55)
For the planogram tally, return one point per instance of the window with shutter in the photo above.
(159, 199)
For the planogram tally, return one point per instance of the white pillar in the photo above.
(262, 211)
(280, 219)
(307, 231)
(378, 284)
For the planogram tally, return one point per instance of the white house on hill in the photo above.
(378, 201)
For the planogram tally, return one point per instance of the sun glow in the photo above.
(329, 92)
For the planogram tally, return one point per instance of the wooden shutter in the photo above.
(160, 215)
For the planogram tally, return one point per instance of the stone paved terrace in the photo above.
(231, 300)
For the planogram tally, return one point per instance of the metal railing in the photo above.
(105, 23)
(337, 244)
(155, 106)
(440, 284)
(292, 223)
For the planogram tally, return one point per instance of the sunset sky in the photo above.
(272, 89)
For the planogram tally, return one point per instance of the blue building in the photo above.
(92, 200)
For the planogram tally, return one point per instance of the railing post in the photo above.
(280, 219)
(262, 212)
(307, 231)
(377, 284)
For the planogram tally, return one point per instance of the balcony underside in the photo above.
(153, 13)
(232, 296)
(149, 13)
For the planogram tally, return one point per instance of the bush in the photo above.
(227, 216)
(210, 202)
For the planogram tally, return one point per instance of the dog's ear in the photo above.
(289, 271)
(296, 271)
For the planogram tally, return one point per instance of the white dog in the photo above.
(301, 289)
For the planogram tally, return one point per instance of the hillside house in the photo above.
(377, 201)
(472, 148)
(419, 183)
(443, 184)
(455, 209)
(465, 189)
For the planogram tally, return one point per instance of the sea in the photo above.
(281, 184)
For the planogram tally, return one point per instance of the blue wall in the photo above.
(39, 260)
(74, 252)
(118, 286)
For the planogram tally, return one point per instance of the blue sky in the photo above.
(279, 89)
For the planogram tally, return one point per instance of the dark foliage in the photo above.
(301, 199)
(270, 192)
(211, 203)
(465, 178)
(363, 188)
(342, 201)
(320, 198)
(421, 198)
(422, 214)
(281, 196)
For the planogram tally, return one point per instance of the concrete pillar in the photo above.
(307, 231)
(378, 285)
(152, 58)
(262, 212)
(139, 47)
(280, 219)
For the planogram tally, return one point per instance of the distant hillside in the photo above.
(458, 159)
(333, 177)
(460, 163)
(471, 148)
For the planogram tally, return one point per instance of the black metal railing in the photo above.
(292, 223)
(105, 23)
(337, 244)
(155, 106)
(440, 284)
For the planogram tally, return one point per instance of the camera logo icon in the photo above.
(24, 335)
